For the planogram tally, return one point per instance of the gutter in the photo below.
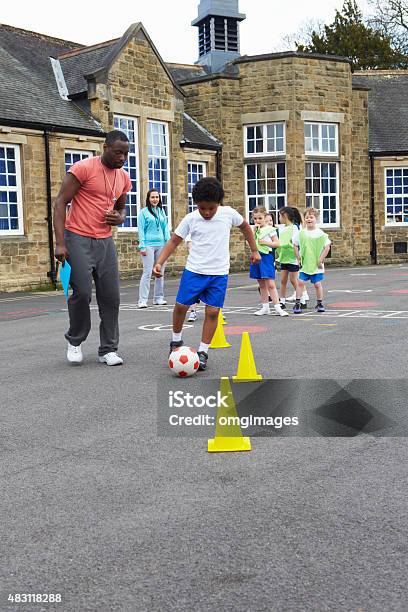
(43, 127)
(373, 242)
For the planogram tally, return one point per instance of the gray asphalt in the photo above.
(97, 506)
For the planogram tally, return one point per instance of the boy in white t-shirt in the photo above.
(205, 276)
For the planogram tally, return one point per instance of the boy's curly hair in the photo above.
(208, 189)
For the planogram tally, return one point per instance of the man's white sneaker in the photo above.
(261, 312)
(142, 305)
(111, 359)
(74, 354)
(292, 298)
(160, 302)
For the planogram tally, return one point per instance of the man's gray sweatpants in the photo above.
(93, 258)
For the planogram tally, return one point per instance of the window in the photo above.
(159, 162)
(266, 139)
(129, 127)
(72, 157)
(266, 186)
(195, 172)
(322, 191)
(11, 205)
(396, 198)
(321, 139)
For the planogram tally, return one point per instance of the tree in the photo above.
(350, 37)
(391, 18)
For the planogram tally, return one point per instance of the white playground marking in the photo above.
(158, 327)
(350, 291)
(364, 274)
(249, 310)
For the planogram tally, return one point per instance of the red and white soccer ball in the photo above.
(183, 361)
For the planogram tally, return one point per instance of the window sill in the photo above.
(20, 237)
(400, 226)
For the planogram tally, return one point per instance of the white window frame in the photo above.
(394, 196)
(122, 228)
(264, 128)
(320, 126)
(320, 195)
(266, 195)
(18, 190)
(153, 185)
(191, 206)
(81, 152)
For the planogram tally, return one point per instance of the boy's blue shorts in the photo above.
(314, 278)
(210, 289)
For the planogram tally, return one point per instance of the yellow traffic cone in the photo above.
(228, 434)
(246, 364)
(221, 316)
(219, 340)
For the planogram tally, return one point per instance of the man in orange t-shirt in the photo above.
(97, 189)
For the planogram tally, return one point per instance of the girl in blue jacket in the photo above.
(153, 235)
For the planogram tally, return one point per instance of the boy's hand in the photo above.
(157, 271)
(255, 257)
(320, 264)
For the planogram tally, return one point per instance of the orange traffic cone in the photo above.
(246, 364)
(228, 434)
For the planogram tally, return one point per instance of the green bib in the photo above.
(286, 252)
(310, 251)
(260, 234)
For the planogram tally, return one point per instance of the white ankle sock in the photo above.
(176, 337)
(203, 347)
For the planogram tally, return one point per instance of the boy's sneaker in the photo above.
(303, 305)
(74, 354)
(297, 309)
(280, 312)
(175, 344)
(111, 359)
(320, 308)
(203, 357)
(159, 302)
(142, 305)
(192, 317)
(282, 305)
(305, 296)
(292, 298)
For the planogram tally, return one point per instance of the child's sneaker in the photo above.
(292, 298)
(303, 305)
(175, 344)
(192, 317)
(305, 296)
(203, 357)
(297, 309)
(262, 311)
(319, 307)
(279, 311)
(282, 305)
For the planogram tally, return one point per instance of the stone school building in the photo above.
(277, 129)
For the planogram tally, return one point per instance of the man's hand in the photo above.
(61, 252)
(157, 271)
(114, 217)
(255, 257)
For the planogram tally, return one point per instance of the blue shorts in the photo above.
(210, 289)
(314, 278)
(265, 268)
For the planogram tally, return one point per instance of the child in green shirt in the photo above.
(311, 247)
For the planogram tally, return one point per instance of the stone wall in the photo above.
(360, 164)
(387, 235)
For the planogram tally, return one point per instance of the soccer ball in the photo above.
(183, 361)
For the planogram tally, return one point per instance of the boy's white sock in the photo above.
(176, 337)
(203, 347)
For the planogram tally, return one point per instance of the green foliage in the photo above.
(348, 36)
